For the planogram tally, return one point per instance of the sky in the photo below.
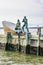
(11, 10)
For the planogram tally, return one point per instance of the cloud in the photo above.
(12, 9)
(21, 7)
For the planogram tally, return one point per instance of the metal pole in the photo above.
(19, 46)
(18, 41)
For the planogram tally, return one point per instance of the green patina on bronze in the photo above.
(9, 37)
(25, 23)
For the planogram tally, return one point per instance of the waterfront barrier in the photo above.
(41, 46)
(35, 48)
(2, 46)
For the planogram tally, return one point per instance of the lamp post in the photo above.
(19, 46)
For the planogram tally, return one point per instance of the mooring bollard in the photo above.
(34, 46)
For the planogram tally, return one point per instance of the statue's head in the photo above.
(18, 20)
(24, 17)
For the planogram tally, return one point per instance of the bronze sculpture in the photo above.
(25, 23)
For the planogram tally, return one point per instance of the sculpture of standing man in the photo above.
(25, 23)
(18, 24)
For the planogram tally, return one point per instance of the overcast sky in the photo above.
(11, 10)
